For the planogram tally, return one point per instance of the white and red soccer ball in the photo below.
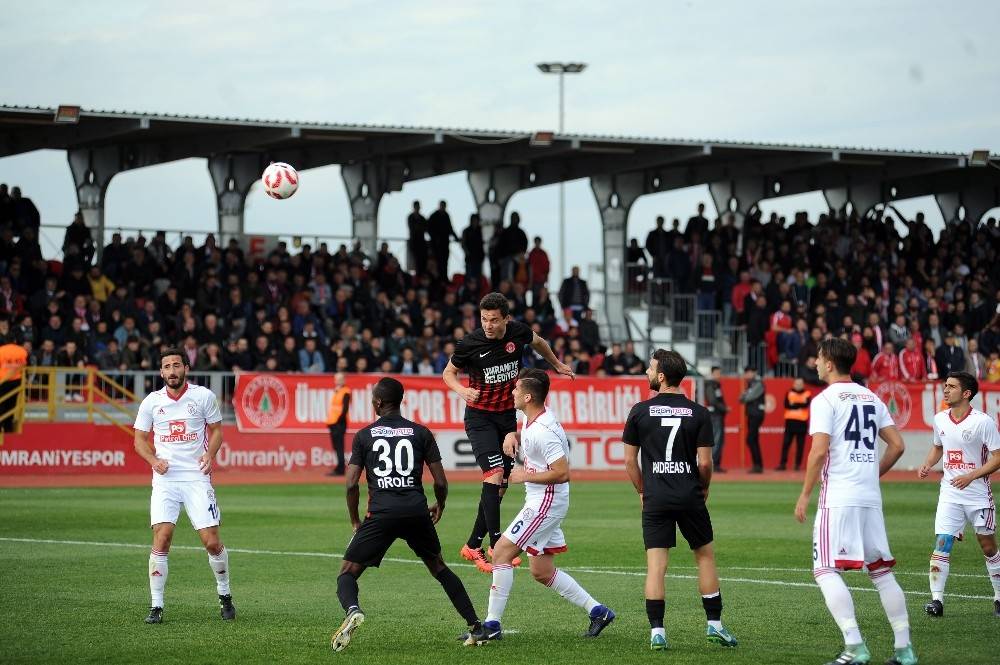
(280, 180)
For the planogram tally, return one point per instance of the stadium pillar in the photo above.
(92, 171)
(492, 189)
(974, 201)
(615, 195)
(364, 191)
(736, 197)
(233, 175)
(862, 196)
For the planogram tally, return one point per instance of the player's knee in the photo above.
(351, 568)
(214, 547)
(435, 564)
(989, 546)
(943, 542)
(542, 576)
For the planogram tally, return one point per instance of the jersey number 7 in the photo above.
(674, 424)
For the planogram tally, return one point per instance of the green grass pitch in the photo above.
(82, 599)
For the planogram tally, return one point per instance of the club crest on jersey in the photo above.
(191, 409)
(967, 434)
(510, 348)
(667, 411)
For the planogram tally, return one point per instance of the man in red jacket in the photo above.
(862, 367)
(885, 366)
(911, 362)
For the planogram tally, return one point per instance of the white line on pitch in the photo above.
(771, 569)
(333, 555)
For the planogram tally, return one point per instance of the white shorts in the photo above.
(851, 538)
(197, 497)
(537, 532)
(951, 519)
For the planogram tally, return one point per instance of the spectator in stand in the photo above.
(441, 232)
(993, 368)
(885, 366)
(590, 333)
(574, 294)
(929, 354)
(934, 331)
(417, 243)
(862, 367)
(899, 332)
(513, 244)
(679, 266)
(658, 244)
(697, 225)
(742, 290)
(472, 245)
(23, 212)
(950, 357)
(538, 266)
(707, 286)
(911, 362)
(615, 363)
(975, 363)
(310, 358)
(78, 240)
(633, 363)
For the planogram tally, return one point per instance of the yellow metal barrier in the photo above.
(90, 390)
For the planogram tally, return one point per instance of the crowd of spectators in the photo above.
(916, 308)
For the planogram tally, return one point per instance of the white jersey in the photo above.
(967, 444)
(853, 416)
(543, 441)
(179, 427)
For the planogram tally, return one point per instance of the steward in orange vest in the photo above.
(796, 423)
(336, 421)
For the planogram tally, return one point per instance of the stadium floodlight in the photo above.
(561, 68)
(979, 158)
(541, 139)
(69, 115)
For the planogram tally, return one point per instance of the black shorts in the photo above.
(377, 534)
(486, 431)
(659, 527)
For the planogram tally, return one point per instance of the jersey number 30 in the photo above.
(401, 461)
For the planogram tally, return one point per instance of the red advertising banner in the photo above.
(298, 402)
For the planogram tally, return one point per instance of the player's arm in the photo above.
(545, 351)
(817, 457)
(144, 448)
(214, 443)
(894, 448)
(511, 444)
(934, 456)
(705, 467)
(440, 490)
(450, 377)
(632, 466)
(352, 480)
(557, 473)
(992, 464)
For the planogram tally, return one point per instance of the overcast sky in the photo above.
(900, 74)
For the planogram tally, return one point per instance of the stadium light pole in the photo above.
(562, 68)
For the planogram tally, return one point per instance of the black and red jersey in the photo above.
(493, 364)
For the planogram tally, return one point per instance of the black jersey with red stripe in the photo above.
(493, 364)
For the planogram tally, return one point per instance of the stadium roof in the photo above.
(410, 153)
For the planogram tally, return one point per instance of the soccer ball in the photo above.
(280, 180)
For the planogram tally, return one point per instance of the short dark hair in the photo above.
(495, 301)
(389, 391)
(716, 367)
(840, 352)
(536, 382)
(172, 351)
(671, 365)
(966, 381)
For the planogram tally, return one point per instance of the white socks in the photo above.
(839, 602)
(157, 576)
(993, 568)
(894, 603)
(940, 565)
(570, 589)
(503, 580)
(220, 566)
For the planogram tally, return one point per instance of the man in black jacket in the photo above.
(753, 399)
(950, 357)
(472, 243)
(717, 411)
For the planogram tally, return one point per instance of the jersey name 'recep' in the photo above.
(543, 441)
(668, 430)
(392, 451)
(179, 429)
(853, 416)
(968, 444)
(493, 364)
